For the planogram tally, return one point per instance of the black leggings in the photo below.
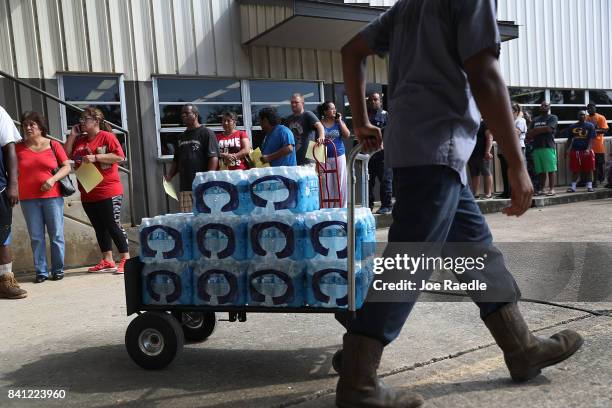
(105, 217)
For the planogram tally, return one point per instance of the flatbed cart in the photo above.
(157, 335)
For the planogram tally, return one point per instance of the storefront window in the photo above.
(104, 92)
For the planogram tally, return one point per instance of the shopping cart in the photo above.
(156, 336)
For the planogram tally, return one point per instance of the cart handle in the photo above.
(350, 170)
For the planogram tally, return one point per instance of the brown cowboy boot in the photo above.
(526, 354)
(9, 288)
(359, 386)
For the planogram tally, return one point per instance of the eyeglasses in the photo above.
(85, 119)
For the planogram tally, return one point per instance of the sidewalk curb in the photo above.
(496, 205)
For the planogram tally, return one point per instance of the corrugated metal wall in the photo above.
(562, 44)
(140, 38)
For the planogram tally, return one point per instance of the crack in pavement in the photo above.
(400, 370)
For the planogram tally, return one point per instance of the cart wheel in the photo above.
(337, 361)
(197, 326)
(153, 340)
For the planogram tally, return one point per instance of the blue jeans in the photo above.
(49, 212)
(433, 206)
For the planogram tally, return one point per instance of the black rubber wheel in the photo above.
(197, 326)
(337, 361)
(153, 340)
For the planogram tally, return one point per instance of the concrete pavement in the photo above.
(70, 335)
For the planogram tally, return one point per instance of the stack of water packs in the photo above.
(256, 238)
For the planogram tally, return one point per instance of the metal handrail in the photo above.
(111, 124)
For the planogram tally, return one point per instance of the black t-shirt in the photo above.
(193, 149)
(481, 142)
(303, 128)
(544, 139)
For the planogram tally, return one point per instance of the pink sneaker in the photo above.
(103, 266)
(120, 266)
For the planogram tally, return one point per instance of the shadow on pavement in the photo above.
(109, 369)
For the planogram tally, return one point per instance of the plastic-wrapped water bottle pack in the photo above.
(257, 238)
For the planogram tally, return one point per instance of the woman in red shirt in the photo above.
(234, 144)
(41, 200)
(88, 144)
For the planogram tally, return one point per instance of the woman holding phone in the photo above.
(92, 143)
(335, 130)
(41, 200)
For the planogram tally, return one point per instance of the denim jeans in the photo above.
(433, 206)
(49, 212)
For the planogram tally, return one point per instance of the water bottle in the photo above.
(219, 237)
(274, 283)
(167, 283)
(165, 237)
(276, 236)
(326, 230)
(327, 284)
(219, 282)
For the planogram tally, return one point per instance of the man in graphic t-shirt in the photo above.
(544, 154)
(305, 126)
(197, 150)
(580, 137)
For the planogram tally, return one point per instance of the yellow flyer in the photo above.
(89, 176)
(319, 152)
(256, 158)
(169, 189)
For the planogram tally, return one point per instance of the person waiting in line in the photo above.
(544, 152)
(609, 171)
(520, 128)
(234, 145)
(9, 197)
(479, 163)
(40, 196)
(599, 148)
(579, 147)
(93, 142)
(306, 128)
(335, 131)
(278, 146)
(376, 166)
(520, 124)
(197, 151)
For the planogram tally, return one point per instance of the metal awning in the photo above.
(318, 24)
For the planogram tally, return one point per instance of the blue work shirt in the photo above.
(279, 137)
(433, 118)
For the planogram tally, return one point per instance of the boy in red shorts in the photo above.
(579, 145)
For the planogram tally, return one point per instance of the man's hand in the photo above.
(47, 185)
(12, 193)
(522, 191)
(90, 158)
(370, 136)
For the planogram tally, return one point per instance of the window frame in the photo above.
(246, 104)
(62, 95)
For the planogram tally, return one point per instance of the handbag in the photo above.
(66, 187)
